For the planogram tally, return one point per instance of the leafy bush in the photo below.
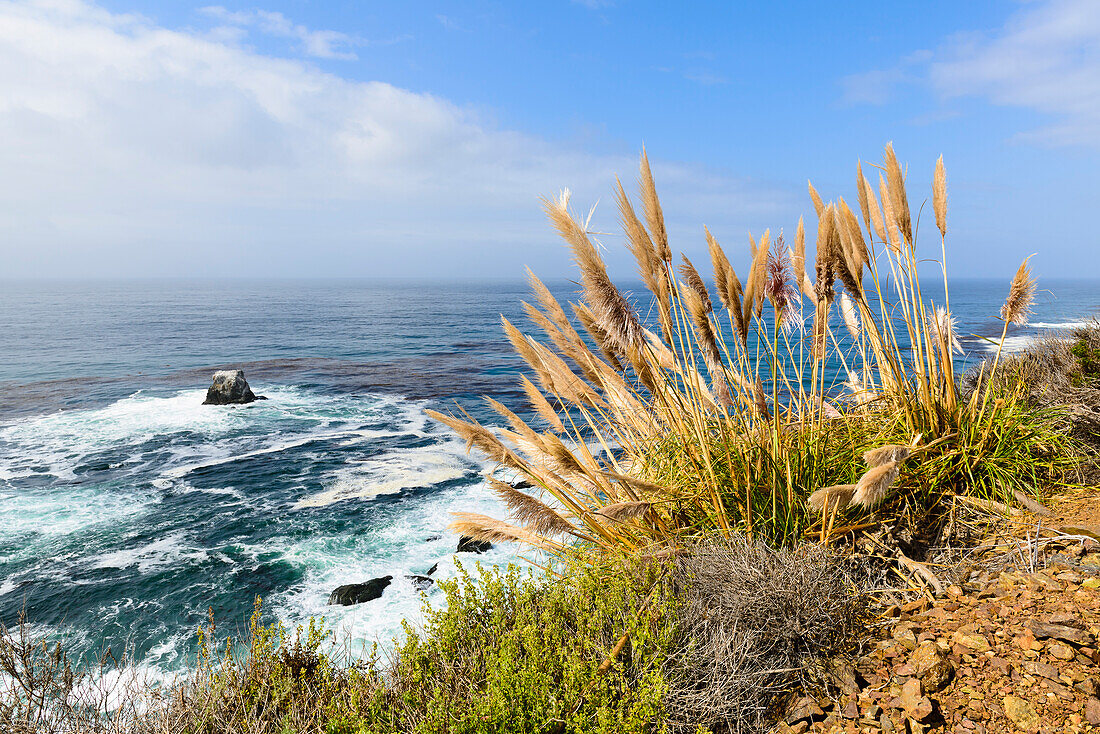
(514, 653)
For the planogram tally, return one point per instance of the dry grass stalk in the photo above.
(613, 312)
(599, 336)
(899, 202)
(939, 196)
(873, 487)
(828, 499)
(819, 207)
(624, 511)
(653, 214)
(886, 454)
(482, 527)
(889, 216)
(875, 212)
(532, 512)
(1021, 295)
(541, 405)
(850, 316)
(695, 282)
(861, 192)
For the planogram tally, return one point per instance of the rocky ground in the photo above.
(1005, 650)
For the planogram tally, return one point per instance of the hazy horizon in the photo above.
(146, 139)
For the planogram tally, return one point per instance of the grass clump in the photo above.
(808, 396)
(755, 622)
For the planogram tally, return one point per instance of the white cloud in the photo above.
(319, 44)
(132, 149)
(1045, 58)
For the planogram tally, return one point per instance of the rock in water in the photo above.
(349, 594)
(422, 583)
(229, 388)
(469, 545)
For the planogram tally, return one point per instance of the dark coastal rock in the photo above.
(432, 538)
(521, 484)
(358, 593)
(230, 388)
(433, 569)
(469, 545)
(422, 583)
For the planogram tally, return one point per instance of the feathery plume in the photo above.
(531, 512)
(875, 212)
(859, 247)
(482, 527)
(889, 217)
(847, 263)
(649, 262)
(613, 312)
(898, 199)
(875, 484)
(818, 206)
(944, 324)
(695, 282)
(541, 405)
(653, 213)
(708, 342)
(721, 265)
(760, 274)
(851, 316)
(798, 261)
(827, 258)
(623, 511)
(836, 497)
(780, 289)
(603, 341)
(891, 452)
(939, 196)
(478, 436)
(858, 387)
(861, 190)
(1021, 294)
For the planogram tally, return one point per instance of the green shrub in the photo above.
(514, 652)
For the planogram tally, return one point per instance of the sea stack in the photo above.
(229, 388)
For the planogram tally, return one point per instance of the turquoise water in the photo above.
(128, 509)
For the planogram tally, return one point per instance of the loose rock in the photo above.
(470, 545)
(349, 594)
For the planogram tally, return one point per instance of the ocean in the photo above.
(129, 511)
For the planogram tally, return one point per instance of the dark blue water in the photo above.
(128, 509)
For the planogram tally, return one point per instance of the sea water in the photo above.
(129, 511)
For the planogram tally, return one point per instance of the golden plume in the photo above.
(939, 197)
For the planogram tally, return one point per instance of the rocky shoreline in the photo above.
(1004, 651)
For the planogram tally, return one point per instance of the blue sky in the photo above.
(414, 139)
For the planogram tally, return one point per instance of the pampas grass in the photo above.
(1021, 294)
(666, 428)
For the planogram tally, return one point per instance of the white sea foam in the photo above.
(47, 513)
(410, 542)
(165, 552)
(390, 473)
(1013, 344)
(1060, 324)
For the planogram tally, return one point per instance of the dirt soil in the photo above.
(1010, 649)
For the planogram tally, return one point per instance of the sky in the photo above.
(415, 139)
